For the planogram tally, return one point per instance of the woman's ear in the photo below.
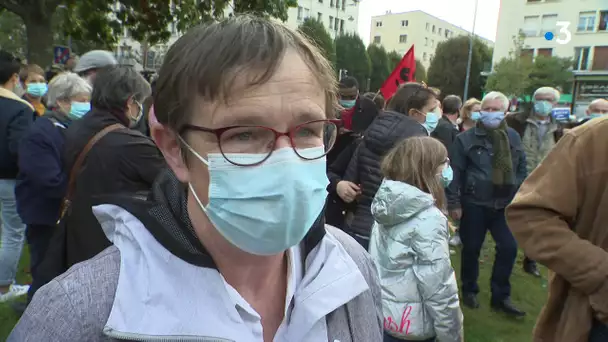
(412, 112)
(167, 141)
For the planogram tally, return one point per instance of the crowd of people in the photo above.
(248, 196)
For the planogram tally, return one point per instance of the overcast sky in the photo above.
(457, 12)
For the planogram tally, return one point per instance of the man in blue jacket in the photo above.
(16, 115)
(489, 164)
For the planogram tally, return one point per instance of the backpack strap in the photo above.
(78, 165)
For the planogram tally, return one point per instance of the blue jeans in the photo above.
(12, 234)
(476, 221)
(599, 332)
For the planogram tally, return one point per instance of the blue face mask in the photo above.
(431, 121)
(79, 109)
(273, 213)
(348, 104)
(447, 175)
(37, 89)
(543, 108)
(475, 116)
(595, 115)
(491, 120)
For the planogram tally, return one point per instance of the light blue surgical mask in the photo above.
(431, 121)
(491, 120)
(37, 89)
(475, 116)
(447, 175)
(79, 109)
(595, 115)
(348, 104)
(543, 108)
(276, 210)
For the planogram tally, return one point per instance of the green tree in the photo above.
(380, 66)
(448, 67)
(12, 33)
(511, 74)
(318, 35)
(549, 71)
(105, 21)
(352, 56)
(420, 74)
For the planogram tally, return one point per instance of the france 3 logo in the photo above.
(564, 35)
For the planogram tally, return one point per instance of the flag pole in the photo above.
(471, 41)
(377, 93)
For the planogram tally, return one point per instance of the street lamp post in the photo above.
(471, 40)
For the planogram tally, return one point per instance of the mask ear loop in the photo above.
(198, 156)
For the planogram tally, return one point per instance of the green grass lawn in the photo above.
(481, 325)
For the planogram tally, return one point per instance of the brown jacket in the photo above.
(559, 217)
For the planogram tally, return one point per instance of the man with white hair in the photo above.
(597, 108)
(489, 164)
(538, 133)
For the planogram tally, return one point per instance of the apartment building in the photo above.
(399, 31)
(588, 25)
(338, 16)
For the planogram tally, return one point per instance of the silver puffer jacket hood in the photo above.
(409, 244)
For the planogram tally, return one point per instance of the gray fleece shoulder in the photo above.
(366, 322)
(74, 306)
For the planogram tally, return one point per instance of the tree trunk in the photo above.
(39, 40)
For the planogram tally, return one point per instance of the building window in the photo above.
(306, 13)
(600, 58)
(586, 21)
(527, 53)
(447, 33)
(331, 22)
(603, 21)
(432, 43)
(378, 23)
(581, 58)
(377, 40)
(424, 56)
(433, 28)
(404, 23)
(300, 11)
(343, 5)
(320, 1)
(331, 3)
(428, 26)
(342, 26)
(530, 28)
(548, 24)
(545, 52)
(337, 24)
(403, 38)
(426, 42)
(439, 31)
(319, 16)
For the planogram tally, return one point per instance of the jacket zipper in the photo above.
(150, 338)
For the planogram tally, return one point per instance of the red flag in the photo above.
(404, 72)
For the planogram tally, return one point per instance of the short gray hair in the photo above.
(496, 95)
(547, 91)
(64, 86)
(115, 85)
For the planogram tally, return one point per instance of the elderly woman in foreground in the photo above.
(489, 165)
(41, 182)
(230, 245)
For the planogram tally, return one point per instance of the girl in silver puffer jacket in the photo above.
(409, 244)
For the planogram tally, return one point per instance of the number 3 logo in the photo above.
(564, 25)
